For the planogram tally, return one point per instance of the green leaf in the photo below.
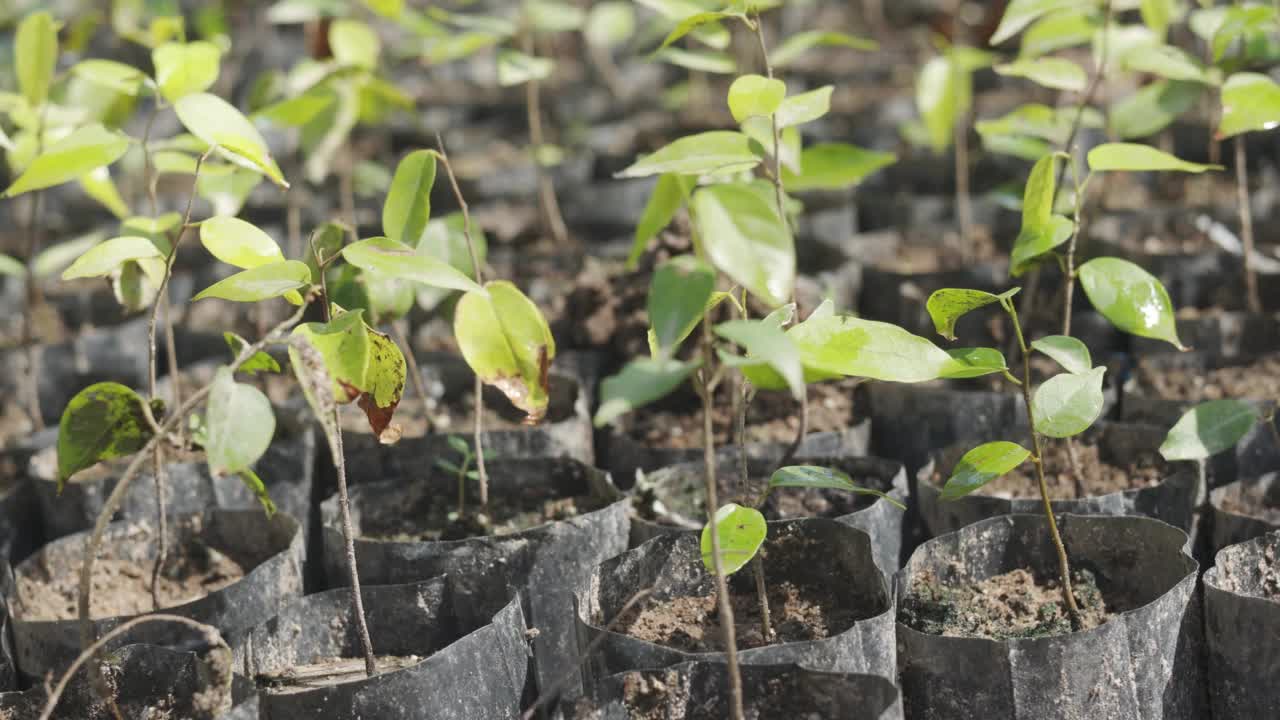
(354, 44)
(1153, 108)
(261, 282)
(397, 260)
(505, 339)
(107, 257)
(300, 110)
(1157, 14)
(342, 345)
(1131, 298)
(258, 362)
(216, 122)
(445, 240)
(1034, 243)
(941, 98)
(765, 341)
(1250, 101)
(185, 68)
(1067, 351)
(1041, 229)
(693, 22)
(678, 295)
(717, 63)
(459, 445)
(715, 151)
(974, 362)
(1050, 72)
(239, 424)
(124, 79)
(855, 347)
(1067, 404)
(610, 23)
(408, 205)
(817, 478)
(1020, 13)
(981, 465)
(103, 421)
(805, 107)
(746, 240)
(835, 166)
(238, 243)
(1058, 31)
(793, 47)
(97, 184)
(259, 490)
(669, 194)
(1167, 62)
(740, 531)
(1237, 22)
(1209, 428)
(57, 257)
(35, 50)
(11, 266)
(948, 305)
(517, 68)
(75, 155)
(755, 95)
(551, 16)
(1139, 158)
(639, 383)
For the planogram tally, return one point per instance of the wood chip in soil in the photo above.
(329, 671)
(1016, 604)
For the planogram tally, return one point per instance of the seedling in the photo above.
(461, 470)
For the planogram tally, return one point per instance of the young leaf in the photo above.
(505, 339)
(805, 107)
(678, 296)
(258, 362)
(261, 282)
(796, 45)
(1250, 101)
(948, 305)
(517, 68)
(1209, 428)
(408, 206)
(694, 22)
(354, 44)
(124, 79)
(75, 155)
(217, 122)
(239, 424)
(741, 532)
(397, 260)
(835, 166)
(103, 259)
(981, 465)
(459, 445)
(1041, 229)
(745, 239)
(35, 50)
(669, 194)
(1058, 31)
(1067, 351)
(1131, 298)
(815, 477)
(1067, 404)
(715, 151)
(103, 421)
(639, 383)
(765, 341)
(238, 243)
(185, 68)
(855, 347)
(974, 362)
(341, 348)
(1020, 13)
(1050, 72)
(755, 95)
(1135, 157)
(259, 490)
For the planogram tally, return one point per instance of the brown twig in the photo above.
(546, 190)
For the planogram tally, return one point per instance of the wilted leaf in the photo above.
(342, 346)
(383, 384)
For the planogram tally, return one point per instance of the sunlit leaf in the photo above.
(1136, 157)
(1067, 404)
(505, 339)
(1070, 353)
(1050, 72)
(948, 305)
(835, 166)
(35, 50)
(981, 465)
(103, 259)
(715, 151)
(185, 68)
(793, 47)
(75, 155)
(740, 532)
(260, 282)
(755, 95)
(639, 383)
(1250, 101)
(744, 238)
(1131, 298)
(408, 205)
(1209, 428)
(397, 260)
(217, 122)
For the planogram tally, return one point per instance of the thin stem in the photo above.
(211, 635)
(964, 207)
(415, 375)
(1073, 458)
(1252, 301)
(347, 193)
(762, 595)
(29, 323)
(713, 504)
(348, 534)
(1069, 270)
(546, 191)
(482, 474)
(1064, 567)
(160, 477)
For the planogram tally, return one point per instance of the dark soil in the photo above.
(1014, 605)
(123, 587)
(1099, 476)
(325, 672)
(1252, 500)
(1259, 379)
(1266, 573)
(428, 511)
(692, 624)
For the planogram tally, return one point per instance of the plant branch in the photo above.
(348, 535)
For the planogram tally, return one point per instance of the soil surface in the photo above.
(1099, 477)
(123, 587)
(1252, 500)
(1014, 605)
(692, 624)
(1259, 379)
(1265, 571)
(656, 696)
(329, 671)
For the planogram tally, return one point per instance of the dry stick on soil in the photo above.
(1064, 568)
(482, 476)
(706, 392)
(591, 647)
(1253, 302)
(114, 500)
(546, 191)
(211, 636)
